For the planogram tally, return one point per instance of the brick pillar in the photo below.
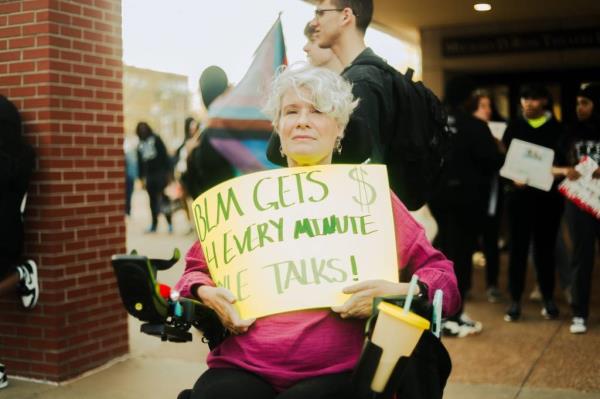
(60, 63)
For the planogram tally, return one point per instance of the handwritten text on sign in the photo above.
(292, 238)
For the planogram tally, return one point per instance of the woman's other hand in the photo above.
(221, 300)
(360, 304)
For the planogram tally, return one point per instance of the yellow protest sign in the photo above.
(292, 238)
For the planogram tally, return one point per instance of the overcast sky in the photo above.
(186, 36)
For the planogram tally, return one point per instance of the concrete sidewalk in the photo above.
(531, 359)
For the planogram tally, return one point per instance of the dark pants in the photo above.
(489, 241)
(585, 231)
(155, 186)
(533, 215)
(490, 233)
(237, 383)
(129, 187)
(457, 239)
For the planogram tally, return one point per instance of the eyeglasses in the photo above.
(320, 12)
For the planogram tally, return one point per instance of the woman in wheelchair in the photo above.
(309, 353)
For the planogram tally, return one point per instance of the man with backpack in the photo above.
(397, 122)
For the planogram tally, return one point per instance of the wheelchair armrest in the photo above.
(168, 318)
(164, 264)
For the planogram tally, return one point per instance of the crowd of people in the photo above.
(348, 104)
(471, 200)
(343, 106)
(469, 204)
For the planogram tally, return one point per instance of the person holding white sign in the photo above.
(534, 215)
(584, 226)
(308, 353)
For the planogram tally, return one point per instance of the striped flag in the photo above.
(237, 129)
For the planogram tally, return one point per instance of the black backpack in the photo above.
(415, 151)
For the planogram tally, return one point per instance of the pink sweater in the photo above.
(289, 347)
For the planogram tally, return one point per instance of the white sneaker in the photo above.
(3, 378)
(461, 328)
(578, 326)
(469, 327)
(29, 287)
(450, 328)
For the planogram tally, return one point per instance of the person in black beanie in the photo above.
(459, 205)
(533, 214)
(17, 161)
(584, 227)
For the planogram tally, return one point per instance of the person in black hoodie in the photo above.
(17, 160)
(584, 227)
(534, 214)
(155, 169)
(459, 205)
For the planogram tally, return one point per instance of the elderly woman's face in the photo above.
(307, 135)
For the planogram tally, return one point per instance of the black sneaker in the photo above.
(513, 313)
(550, 310)
(3, 378)
(29, 288)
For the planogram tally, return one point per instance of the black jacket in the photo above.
(154, 164)
(584, 140)
(373, 119)
(550, 135)
(17, 160)
(473, 160)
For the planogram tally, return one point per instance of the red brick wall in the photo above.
(60, 63)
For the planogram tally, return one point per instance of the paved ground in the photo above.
(532, 359)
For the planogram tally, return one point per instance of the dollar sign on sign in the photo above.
(366, 192)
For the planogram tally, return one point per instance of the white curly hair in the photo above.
(327, 91)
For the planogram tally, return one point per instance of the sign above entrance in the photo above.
(521, 42)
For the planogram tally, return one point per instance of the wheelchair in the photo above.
(169, 316)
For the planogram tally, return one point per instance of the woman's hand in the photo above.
(360, 304)
(572, 174)
(221, 300)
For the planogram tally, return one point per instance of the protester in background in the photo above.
(17, 161)
(131, 171)
(155, 171)
(584, 227)
(321, 346)
(481, 108)
(460, 204)
(534, 215)
(317, 56)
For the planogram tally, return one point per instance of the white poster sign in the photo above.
(498, 129)
(530, 164)
(585, 191)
